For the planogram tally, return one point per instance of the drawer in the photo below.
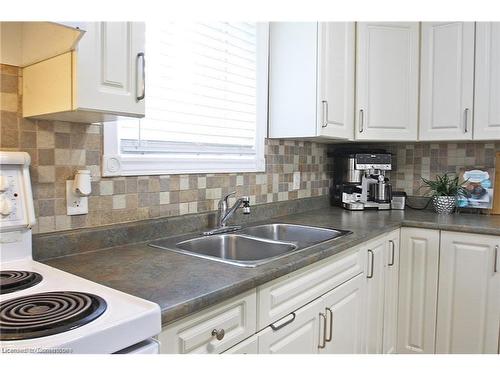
(195, 334)
(248, 346)
(282, 296)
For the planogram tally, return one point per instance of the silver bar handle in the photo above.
(391, 262)
(277, 327)
(361, 120)
(325, 114)
(372, 259)
(495, 266)
(330, 336)
(140, 56)
(323, 345)
(466, 120)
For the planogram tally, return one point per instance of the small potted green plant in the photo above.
(445, 191)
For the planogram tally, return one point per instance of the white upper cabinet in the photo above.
(104, 78)
(468, 315)
(311, 80)
(387, 81)
(487, 81)
(111, 67)
(447, 81)
(336, 79)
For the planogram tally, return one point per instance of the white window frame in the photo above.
(115, 163)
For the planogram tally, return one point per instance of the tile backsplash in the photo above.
(58, 149)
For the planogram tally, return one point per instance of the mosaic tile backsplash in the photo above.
(412, 161)
(58, 149)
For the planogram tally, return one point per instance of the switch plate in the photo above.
(75, 204)
(296, 181)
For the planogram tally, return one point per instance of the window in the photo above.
(206, 103)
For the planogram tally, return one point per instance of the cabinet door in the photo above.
(292, 79)
(376, 253)
(387, 81)
(447, 80)
(336, 79)
(487, 82)
(418, 283)
(344, 316)
(110, 68)
(391, 276)
(469, 294)
(297, 333)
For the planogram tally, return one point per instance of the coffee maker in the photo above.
(359, 180)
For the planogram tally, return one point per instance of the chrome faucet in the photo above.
(224, 214)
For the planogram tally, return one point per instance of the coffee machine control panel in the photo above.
(374, 161)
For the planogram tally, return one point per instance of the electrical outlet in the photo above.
(75, 204)
(296, 181)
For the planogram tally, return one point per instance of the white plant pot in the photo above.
(444, 204)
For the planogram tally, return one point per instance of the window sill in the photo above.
(139, 165)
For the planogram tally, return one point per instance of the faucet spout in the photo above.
(224, 213)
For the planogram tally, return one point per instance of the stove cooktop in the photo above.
(13, 281)
(45, 314)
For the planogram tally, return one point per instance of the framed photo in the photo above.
(479, 189)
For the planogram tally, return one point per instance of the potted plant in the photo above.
(445, 191)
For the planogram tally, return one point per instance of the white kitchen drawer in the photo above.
(286, 294)
(194, 333)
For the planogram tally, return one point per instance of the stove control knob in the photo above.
(5, 206)
(4, 184)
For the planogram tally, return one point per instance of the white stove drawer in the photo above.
(212, 330)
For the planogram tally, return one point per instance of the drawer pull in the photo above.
(391, 263)
(277, 327)
(330, 312)
(323, 344)
(372, 260)
(218, 333)
(495, 269)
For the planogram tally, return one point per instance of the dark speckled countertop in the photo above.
(183, 284)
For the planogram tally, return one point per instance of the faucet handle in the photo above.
(228, 195)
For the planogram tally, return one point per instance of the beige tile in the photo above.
(183, 208)
(46, 174)
(106, 187)
(202, 182)
(164, 197)
(193, 207)
(45, 139)
(119, 201)
(184, 182)
(8, 102)
(62, 157)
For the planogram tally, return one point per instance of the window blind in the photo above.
(201, 81)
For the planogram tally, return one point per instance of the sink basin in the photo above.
(252, 246)
(303, 235)
(235, 249)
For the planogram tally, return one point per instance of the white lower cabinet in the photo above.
(418, 283)
(212, 330)
(382, 278)
(468, 314)
(391, 293)
(297, 333)
(374, 325)
(344, 313)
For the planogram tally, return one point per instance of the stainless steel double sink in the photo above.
(251, 246)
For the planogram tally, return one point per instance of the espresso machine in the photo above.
(359, 180)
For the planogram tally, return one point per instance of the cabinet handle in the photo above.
(495, 266)
(466, 120)
(372, 258)
(218, 333)
(361, 120)
(275, 327)
(391, 263)
(330, 336)
(325, 114)
(140, 56)
(322, 346)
